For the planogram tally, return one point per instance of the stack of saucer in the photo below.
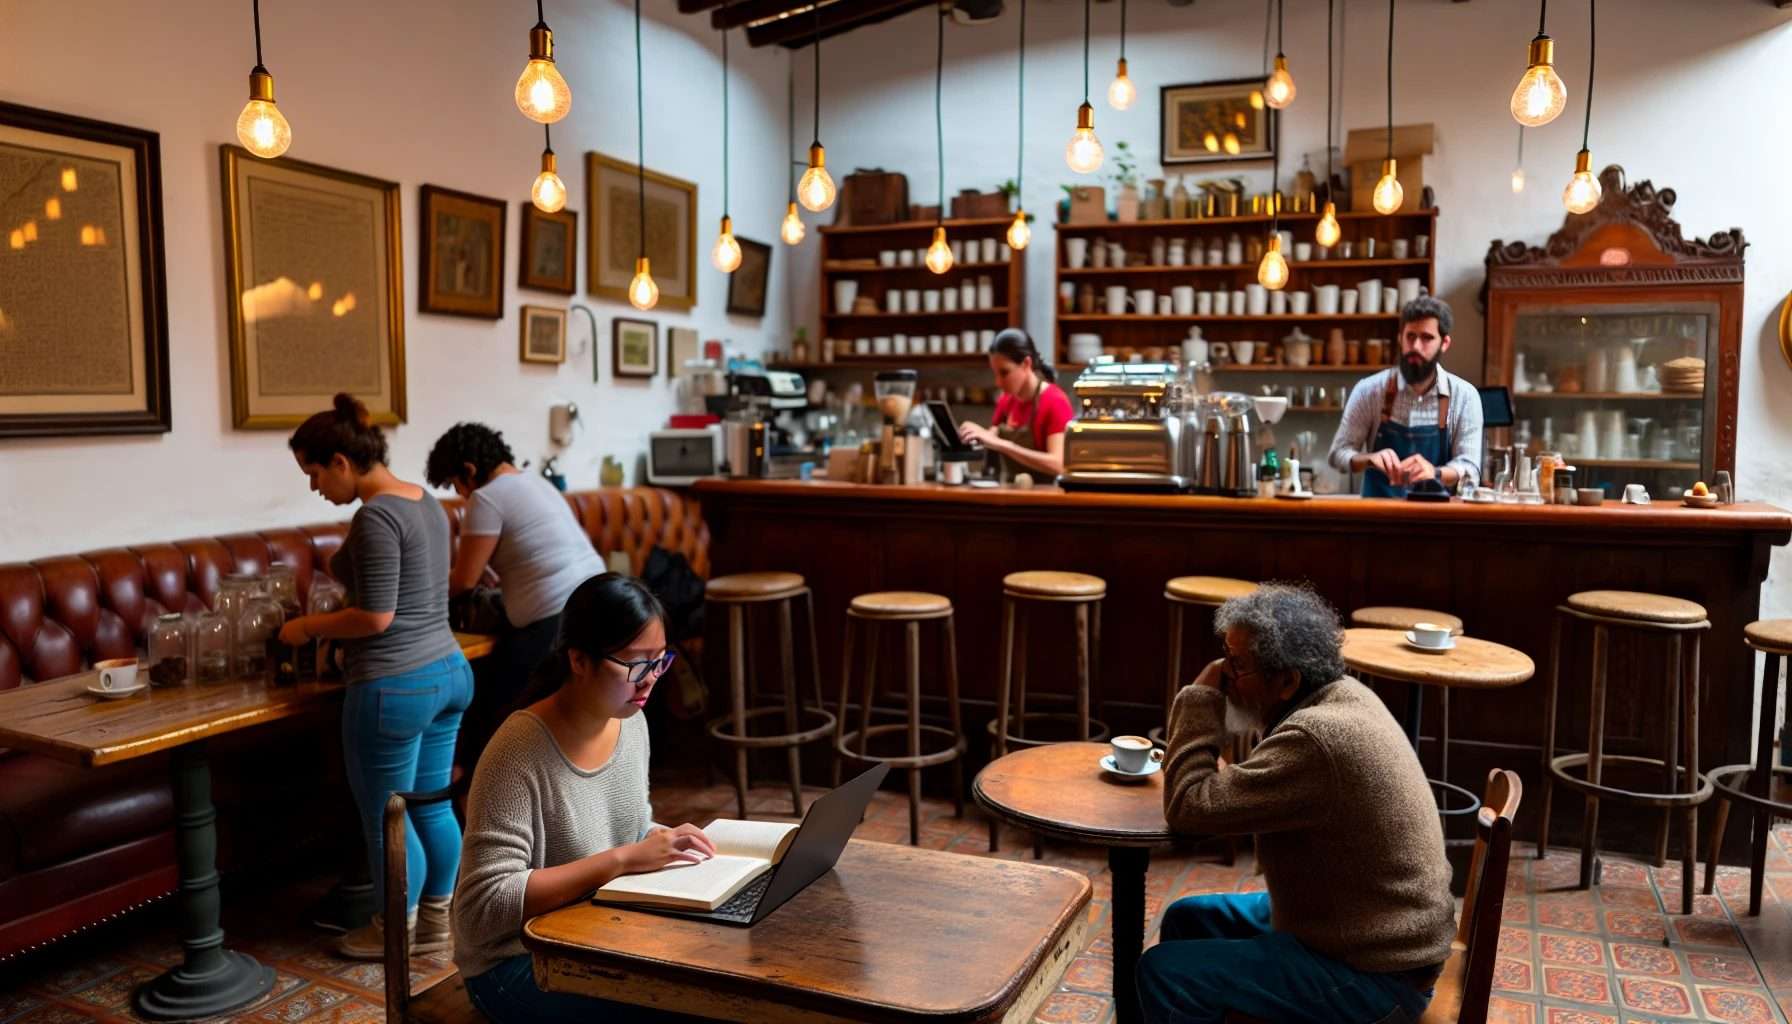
(1683, 375)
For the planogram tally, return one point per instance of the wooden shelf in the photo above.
(1647, 396)
(1291, 410)
(846, 267)
(858, 362)
(1196, 222)
(1133, 318)
(1633, 463)
(997, 311)
(1279, 368)
(1187, 268)
(922, 225)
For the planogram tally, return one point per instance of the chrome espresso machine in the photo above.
(1161, 427)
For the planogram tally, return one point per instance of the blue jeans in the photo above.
(507, 994)
(1219, 954)
(398, 737)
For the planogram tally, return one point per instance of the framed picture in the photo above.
(1214, 122)
(681, 347)
(83, 282)
(550, 251)
(313, 269)
(612, 234)
(543, 335)
(635, 347)
(746, 286)
(462, 253)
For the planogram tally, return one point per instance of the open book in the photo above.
(744, 851)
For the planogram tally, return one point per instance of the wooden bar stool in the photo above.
(738, 594)
(908, 609)
(1183, 593)
(1678, 621)
(1752, 784)
(1019, 590)
(1402, 618)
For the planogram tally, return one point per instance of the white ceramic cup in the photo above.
(1325, 299)
(1256, 299)
(1303, 251)
(1298, 353)
(1421, 246)
(989, 250)
(1133, 753)
(986, 293)
(957, 247)
(882, 345)
(1222, 303)
(967, 341)
(1390, 301)
(1076, 250)
(1409, 289)
(1634, 494)
(861, 346)
(1347, 301)
(986, 338)
(1183, 300)
(1194, 351)
(1178, 253)
(117, 673)
(936, 345)
(911, 300)
(1401, 247)
(967, 294)
(949, 300)
(906, 258)
(899, 344)
(1299, 302)
(1238, 298)
(846, 290)
(1144, 301)
(930, 300)
(1116, 299)
(1244, 350)
(893, 301)
(1430, 634)
(886, 258)
(951, 341)
(1165, 305)
(1204, 304)
(1278, 303)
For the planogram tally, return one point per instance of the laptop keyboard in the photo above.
(741, 905)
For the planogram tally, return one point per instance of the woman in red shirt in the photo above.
(1028, 432)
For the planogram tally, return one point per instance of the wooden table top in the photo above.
(1471, 664)
(1060, 789)
(59, 719)
(892, 933)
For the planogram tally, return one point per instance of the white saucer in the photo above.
(1415, 645)
(1295, 495)
(1151, 768)
(130, 691)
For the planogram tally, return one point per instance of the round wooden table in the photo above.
(1060, 791)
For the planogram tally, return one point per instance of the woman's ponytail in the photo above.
(1014, 345)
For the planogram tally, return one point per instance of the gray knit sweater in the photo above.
(532, 808)
(1347, 829)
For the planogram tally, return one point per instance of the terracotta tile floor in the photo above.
(1566, 957)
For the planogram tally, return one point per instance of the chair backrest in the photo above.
(398, 936)
(1484, 898)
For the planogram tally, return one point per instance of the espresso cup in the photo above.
(1430, 634)
(121, 674)
(1635, 494)
(1132, 753)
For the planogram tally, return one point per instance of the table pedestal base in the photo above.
(1128, 865)
(234, 980)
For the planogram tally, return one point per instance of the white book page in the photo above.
(765, 840)
(706, 884)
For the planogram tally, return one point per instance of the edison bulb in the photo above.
(1019, 234)
(792, 229)
(263, 130)
(1327, 232)
(642, 292)
(1583, 191)
(53, 208)
(816, 189)
(1231, 144)
(939, 254)
(725, 254)
(549, 192)
(1121, 91)
(1256, 99)
(1540, 95)
(541, 93)
(1517, 180)
(1388, 193)
(1278, 92)
(1211, 142)
(1084, 152)
(1272, 273)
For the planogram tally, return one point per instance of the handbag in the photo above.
(480, 610)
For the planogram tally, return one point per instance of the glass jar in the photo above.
(210, 645)
(326, 596)
(1547, 464)
(257, 627)
(167, 647)
(283, 587)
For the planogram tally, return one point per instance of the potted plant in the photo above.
(1126, 176)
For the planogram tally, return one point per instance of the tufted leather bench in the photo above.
(79, 845)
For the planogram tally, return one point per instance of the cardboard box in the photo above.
(1366, 148)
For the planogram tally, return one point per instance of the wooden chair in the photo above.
(446, 1001)
(1466, 985)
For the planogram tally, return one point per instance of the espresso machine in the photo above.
(1128, 433)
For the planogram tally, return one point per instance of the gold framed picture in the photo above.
(549, 257)
(313, 273)
(634, 347)
(543, 335)
(1214, 122)
(462, 253)
(612, 231)
(83, 281)
(747, 285)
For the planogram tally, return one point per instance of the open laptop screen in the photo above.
(945, 427)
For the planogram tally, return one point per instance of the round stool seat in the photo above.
(1054, 586)
(1630, 604)
(753, 586)
(1771, 635)
(1213, 590)
(1396, 617)
(900, 604)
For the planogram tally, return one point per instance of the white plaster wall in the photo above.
(414, 91)
(1688, 95)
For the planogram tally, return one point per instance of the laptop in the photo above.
(818, 844)
(945, 427)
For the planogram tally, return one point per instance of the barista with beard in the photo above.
(1415, 421)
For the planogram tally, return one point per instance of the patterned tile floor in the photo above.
(1566, 957)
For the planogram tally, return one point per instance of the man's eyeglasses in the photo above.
(1232, 669)
(643, 669)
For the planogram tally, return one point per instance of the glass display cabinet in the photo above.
(1619, 340)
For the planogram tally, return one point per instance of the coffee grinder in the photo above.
(899, 455)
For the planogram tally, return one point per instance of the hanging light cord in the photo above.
(547, 137)
(816, 11)
(1592, 52)
(1331, 19)
(1275, 175)
(539, 17)
(1281, 7)
(1020, 126)
(939, 123)
(1390, 79)
(790, 137)
(1542, 14)
(1122, 29)
(257, 33)
(1269, 20)
(640, 144)
(1085, 52)
(1521, 147)
(724, 114)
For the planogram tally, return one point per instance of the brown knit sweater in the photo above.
(1347, 829)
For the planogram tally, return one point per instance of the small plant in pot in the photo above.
(1126, 177)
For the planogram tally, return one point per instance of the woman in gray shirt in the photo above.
(408, 681)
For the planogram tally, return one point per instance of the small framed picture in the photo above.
(746, 286)
(635, 349)
(550, 251)
(681, 348)
(543, 335)
(1214, 122)
(462, 253)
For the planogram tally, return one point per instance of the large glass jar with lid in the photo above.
(167, 646)
(326, 596)
(283, 587)
(210, 645)
(257, 628)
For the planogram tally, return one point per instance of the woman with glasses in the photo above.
(559, 801)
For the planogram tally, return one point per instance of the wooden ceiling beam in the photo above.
(746, 12)
(837, 17)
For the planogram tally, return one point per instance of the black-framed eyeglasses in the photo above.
(1233, 670)
(643, 669)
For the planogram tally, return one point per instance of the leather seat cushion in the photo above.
(52, 811)
(1054, 584)
(753, 586)
(1630, 604)
(1771, 635)
(900, 604)
(1208, 589)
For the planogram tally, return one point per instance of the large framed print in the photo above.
(313, 278)
(1214, 122)
(83, 280)
(612, 239)
(461, 253)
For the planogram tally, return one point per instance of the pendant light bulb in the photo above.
(1388, 193)
(1231, 144)
(725, 254)
(1121, 91)
(261, 128)
(549, 192)
(1272, 272)
(643, 294)
(792, 229)
(1278, 92)
(1084, 153)
(1327, 232)
(1540, 96)
(1583, 191)
(541, 93)
(1517, 180)
(939, 254)
(1256, 99)
(816, 189)
(1019, 234)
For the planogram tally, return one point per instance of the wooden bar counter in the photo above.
(1502, 568)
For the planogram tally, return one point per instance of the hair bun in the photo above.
(350, 408)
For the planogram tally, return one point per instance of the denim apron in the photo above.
(1022, 436)
(1431, 442)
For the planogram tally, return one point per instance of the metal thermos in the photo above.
(735, 445)
(759, 462)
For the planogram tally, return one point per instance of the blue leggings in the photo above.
(1219, 954)
(398, 737)
(507, 994)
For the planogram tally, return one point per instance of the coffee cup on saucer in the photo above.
(1133, 754)
(1430, 634)
(117, 673)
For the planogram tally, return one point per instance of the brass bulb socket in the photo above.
(1275, 241)
(1120, 71)
(1390, 168)
(261, 85)
(1281, 63)
(541, 43)
(727, 224)
(791, 212)
(939, 236)
(549, 165)
(1085, 118)
(818, 157)
(1331, 210)
(1583, 161)
(641, 266)
(1543, 51)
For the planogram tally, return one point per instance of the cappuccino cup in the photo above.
(1133, 753)
(1430, 634)
(121, 674)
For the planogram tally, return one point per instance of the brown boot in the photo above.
(368, 942)
(433, 933)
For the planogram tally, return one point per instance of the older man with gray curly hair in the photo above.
(1358, 918)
